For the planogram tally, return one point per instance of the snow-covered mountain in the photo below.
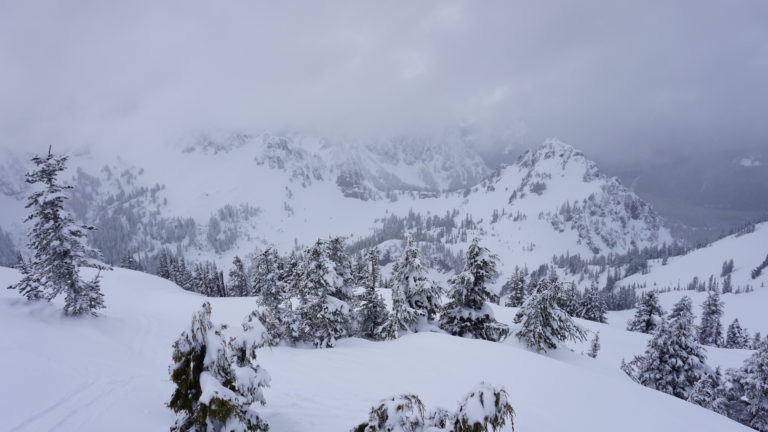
(217, 196)
(747, 248)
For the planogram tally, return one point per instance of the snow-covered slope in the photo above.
(236, 193)
(110, 373)
(747, 250)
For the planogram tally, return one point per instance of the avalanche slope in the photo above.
(111, 372)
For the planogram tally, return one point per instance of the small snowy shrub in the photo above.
(484, 409)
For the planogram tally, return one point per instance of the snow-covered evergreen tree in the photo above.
(707, 390)
(592, 306)
(648, 315)
(736, 336)
(515, 289)
(404, 413)
(543, 324)
(323, 317)
(745, 397)
(710, 331)
(485, 408)
(342, 266)
(570, 299)
(9, 256)
(211, 393)
(410, 277)
(594, 346)
(468, 314)
(401, 320)
(58, 244)
(674, 361)
(371, 311)
(238, 280)
(268, 278)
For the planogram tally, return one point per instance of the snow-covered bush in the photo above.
(404, 413)
(486, 408)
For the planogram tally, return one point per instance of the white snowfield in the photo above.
(111, 373)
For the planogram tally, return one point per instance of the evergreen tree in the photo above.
(323, 317)
(410, 277)
(468, 314)
(8, 253)
(211, 393)
(57, 243)
(707, 390)
(745, 397)
(727, 284)
(543, 324)
(130, 263)
(736, 336)
(401, 320)
(594, 346)
(344, 283)
(674, 361)
(649, 314)
(592, 306)
(710, 331)
(727, 268)
(268, 278)
(570, 300)
(371, 312)
(515, 289)
(238, 280)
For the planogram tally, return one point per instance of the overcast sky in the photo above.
(616, 76)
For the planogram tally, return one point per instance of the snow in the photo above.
(111, 372)
(747, 251)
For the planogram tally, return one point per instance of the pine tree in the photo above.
(592, 306)
(323, 318)
(710, 331)
(130, 263)
(468, 314)
(594, 346)
(238, 280)
(570, 300)
(727, 284)
(344, 283)
(58, 244)
(371, 312)
(515, 289)
(211, 393)
(401, 320)
(543, 324)
(411, 278)
(745, 397)
(707, 390)
(736, 336)
(649, 314)
(674, 361)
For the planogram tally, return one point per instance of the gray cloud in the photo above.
(627, 75)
